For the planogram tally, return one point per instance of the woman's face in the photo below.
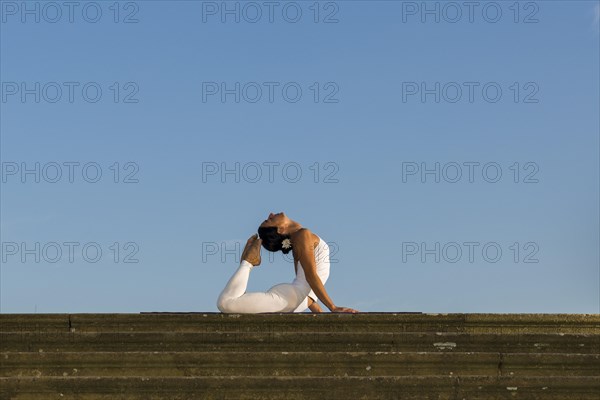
(275, 220)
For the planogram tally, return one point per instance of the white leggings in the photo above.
(283, 297)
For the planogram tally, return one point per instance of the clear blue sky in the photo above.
(367, 120)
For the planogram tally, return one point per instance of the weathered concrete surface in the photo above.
(295, 364)
(298, 341)
(345, 388)
(296, 356)
(304, 322)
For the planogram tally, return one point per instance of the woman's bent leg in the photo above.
(233, 299)
(305, 303)
(236, 286)
(303, 306)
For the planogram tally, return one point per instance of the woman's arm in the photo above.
(304, 247)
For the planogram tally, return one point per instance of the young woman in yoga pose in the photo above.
(311, 262)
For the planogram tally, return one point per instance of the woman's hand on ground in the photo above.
(343, 310)
(251, 252)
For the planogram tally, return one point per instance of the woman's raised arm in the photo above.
(304, 247)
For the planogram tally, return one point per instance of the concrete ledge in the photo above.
(298, 341)
(184, 356)
(295, 364)
(421, 387)
(296, 322)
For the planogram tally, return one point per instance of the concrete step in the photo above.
(304, 322)
(330, 388)
(182, 356)
(43, 340)
(155, 364)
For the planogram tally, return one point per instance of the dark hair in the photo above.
(271, 240)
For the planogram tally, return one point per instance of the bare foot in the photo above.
(251, 252)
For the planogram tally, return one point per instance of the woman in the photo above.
(311, 262)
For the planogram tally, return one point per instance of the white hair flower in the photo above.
(286, 244)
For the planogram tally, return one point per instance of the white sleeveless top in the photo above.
(322, 264)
